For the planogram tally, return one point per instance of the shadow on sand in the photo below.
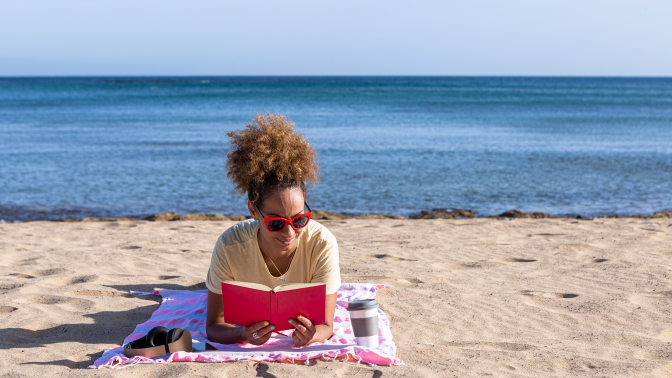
(108, 327)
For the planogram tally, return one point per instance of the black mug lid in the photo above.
(362, 304)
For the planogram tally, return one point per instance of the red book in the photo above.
(246, 303)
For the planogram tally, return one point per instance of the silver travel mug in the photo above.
(364, 320)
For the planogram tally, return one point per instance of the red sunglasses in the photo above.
(277, 224)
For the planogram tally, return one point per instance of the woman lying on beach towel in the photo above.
(279, 245)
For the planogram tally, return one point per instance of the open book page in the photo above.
(250, 285)
(244, 305)
(293, 286)
(307, 300)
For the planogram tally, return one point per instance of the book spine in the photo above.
(274, 309)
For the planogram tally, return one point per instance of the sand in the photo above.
(473, 297)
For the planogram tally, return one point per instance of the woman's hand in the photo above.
(258, 333)
(305, 330)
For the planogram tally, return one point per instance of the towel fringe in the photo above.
(326, 358)
(111, 362)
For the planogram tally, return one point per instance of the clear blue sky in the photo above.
(287, 37)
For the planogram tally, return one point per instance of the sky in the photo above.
(292, 37)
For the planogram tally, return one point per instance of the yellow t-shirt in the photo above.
(236, 257)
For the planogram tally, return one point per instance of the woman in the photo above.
(272, 163)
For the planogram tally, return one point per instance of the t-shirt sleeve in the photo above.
(219, 269)
(327, 270)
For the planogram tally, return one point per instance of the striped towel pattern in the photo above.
(187, 310)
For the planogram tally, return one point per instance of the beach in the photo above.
(497, 177)
(467, 297)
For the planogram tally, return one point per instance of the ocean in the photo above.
(134, 146)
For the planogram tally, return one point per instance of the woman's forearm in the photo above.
(226, 333)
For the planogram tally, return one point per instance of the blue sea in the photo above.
(133, 146)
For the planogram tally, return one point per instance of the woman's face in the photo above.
(285, 203)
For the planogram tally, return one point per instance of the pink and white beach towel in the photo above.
(187, 310)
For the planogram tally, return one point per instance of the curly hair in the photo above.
(268, 155)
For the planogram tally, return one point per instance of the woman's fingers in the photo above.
(263, 337)
(260, 339)
(305, 330)
(299, 339)
(265, 331)
(254, 327)
(299, 327)
(262, 331)
(306, 322)
(299, 336)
